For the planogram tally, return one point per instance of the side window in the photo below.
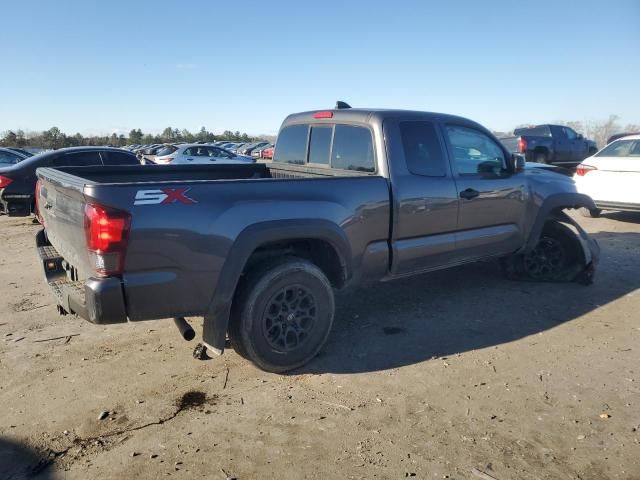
(474, 152)
(571, 135)
(292, 145)
(352, 149)
(191, 152)
(119, 158)
(422, 149)
(80, 159)
(320, 145)
(219, 153)
(200, 152)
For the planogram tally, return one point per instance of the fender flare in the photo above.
(216, 319)
(552, 204)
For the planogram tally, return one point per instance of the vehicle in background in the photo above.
(148, 154)
(267, 153)
(229, 145)
(250, 147)
(166, 154)
(551, 144)
(197, 153)
(238, 146)
(8, 156)
(353, 196)
(22, 151)
(615, 137)
(18, 182)
(258, 152)
(611, 177)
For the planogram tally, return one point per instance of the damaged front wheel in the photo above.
(557, 257)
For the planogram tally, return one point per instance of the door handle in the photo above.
(469, 193)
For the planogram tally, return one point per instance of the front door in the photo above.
(425, 198)
(492, 199)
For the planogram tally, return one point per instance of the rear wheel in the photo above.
(540, 157)
(282, 314)
(590, 212)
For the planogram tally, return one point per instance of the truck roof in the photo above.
(372, 116)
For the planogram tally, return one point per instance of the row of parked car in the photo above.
(202, 152)
(608, 175)
(18, 167)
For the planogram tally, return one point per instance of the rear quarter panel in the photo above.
(176, 251)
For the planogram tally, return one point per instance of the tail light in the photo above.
(5, 181)
(37, 195)
(107, 232)
(522, 145)
(582, 170)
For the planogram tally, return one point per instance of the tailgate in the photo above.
(61, 205)
(510, 143)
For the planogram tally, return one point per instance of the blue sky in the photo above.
(95, 67)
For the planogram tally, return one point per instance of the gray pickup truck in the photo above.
(352, 196)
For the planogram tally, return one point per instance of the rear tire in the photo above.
(540, 157)
(590, 213)
(282, 314)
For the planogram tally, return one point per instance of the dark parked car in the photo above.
(551, 144)
(352, 196)
(9, 156)
(18, 182)
(22, 151)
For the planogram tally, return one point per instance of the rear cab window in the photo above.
(320, 144)
(292, 145)
(337, 146)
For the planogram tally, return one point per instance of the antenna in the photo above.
(340, 105)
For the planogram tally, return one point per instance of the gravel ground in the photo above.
(459, 374)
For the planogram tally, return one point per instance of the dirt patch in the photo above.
(439, 376)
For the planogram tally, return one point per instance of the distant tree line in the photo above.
(55, 138)
(598, 130)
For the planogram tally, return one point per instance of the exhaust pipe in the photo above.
(187, 332)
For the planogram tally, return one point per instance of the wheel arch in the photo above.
(552, 209)
(320, 241)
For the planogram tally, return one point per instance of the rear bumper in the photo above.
(626, 207)
(96, 300)
(15, 205)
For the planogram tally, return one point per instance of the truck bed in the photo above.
(116, 175)
(178, 250)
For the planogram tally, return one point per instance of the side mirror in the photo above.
(519, 162)
(580, 136)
